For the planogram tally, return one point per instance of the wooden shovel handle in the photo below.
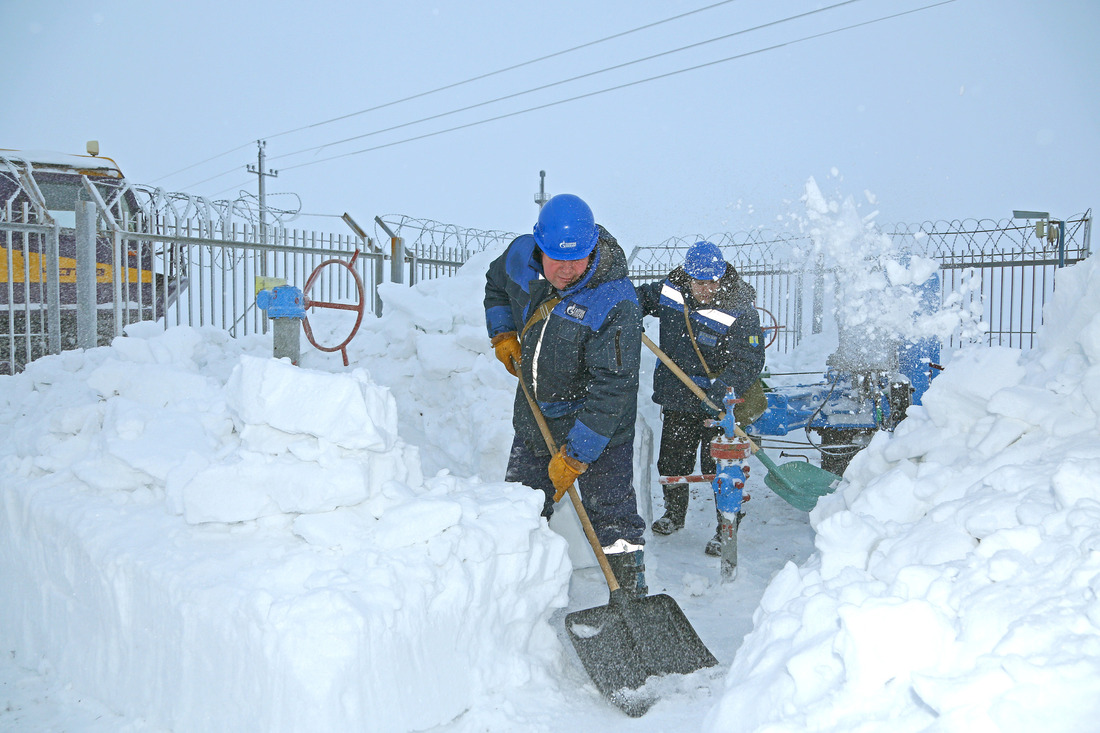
(586, 523)
(695, 388)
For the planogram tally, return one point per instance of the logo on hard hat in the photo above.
(568, 245)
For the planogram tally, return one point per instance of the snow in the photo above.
(198, 537)
(51, 159)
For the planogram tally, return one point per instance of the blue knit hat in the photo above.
(704, 261)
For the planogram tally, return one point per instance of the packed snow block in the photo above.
(249, 628)
(277, 564)
(344, 409)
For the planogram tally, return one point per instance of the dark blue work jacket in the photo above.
(582, 360)
(727, 332)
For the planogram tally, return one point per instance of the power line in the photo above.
(507, 68)
(217, 175)
(195, 165)
(571, 79)
(230, 188)
(622, 86)
(451, 86)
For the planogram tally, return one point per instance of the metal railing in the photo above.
(433, 249)
(1016, 271)
(181, 260)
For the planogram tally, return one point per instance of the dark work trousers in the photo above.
(606, 489)
(682, 436)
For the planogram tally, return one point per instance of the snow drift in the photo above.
(211, 539)
(956, 579)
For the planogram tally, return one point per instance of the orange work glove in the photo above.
(508, 350)
(563, 472)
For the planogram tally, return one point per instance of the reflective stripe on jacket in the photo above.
(727, 332)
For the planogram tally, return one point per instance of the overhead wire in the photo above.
(571, 79)
(450, 86)
(620, 86)
(505, 69)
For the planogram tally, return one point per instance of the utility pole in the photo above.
(542, 197)
(259, 171)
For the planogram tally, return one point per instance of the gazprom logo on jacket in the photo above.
(573, 310)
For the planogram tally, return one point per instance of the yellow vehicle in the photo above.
(42, 188)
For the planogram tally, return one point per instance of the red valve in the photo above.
(357, 307)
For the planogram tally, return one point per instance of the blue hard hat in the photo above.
(566, 229)
(704, 261)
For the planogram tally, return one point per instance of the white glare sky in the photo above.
(969, 109)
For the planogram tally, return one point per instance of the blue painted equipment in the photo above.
(730, 453)
(867, 387)
(729, 485)
(282, 301)
(285, 306)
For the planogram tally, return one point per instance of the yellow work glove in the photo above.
(508, 350)
(563, 472)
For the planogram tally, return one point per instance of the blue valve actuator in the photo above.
(729, 485)
(282, 301)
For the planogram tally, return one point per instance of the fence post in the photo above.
(397, 253)
(397, 261)
(819, 296)
(85, 274)
(378, 264)
(53, 288)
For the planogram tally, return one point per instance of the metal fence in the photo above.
(433, 249)
(1016, 271)
(182, 260)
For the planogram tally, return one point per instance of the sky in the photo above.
(200, 537)
(969, 109)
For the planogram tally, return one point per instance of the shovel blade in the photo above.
(800, 484)
(626, 642)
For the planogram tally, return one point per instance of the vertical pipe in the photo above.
(379, 269)
(397, 261)
(10, 269)
(1061, 243)
(819, 296)
(53, 287)
(85, 275)
(27, 357)
(202, 286)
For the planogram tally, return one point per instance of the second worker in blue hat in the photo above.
(710, 328)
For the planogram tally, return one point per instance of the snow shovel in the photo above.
(796, 482)
(629, 640)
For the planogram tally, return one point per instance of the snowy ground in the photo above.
(950, 584)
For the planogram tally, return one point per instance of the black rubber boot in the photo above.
(629, 569)
(676, 506)
(714, 546)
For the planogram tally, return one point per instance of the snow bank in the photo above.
(210, 539)
(955, 584)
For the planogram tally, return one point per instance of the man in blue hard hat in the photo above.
(560, 309)
(710, 328)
